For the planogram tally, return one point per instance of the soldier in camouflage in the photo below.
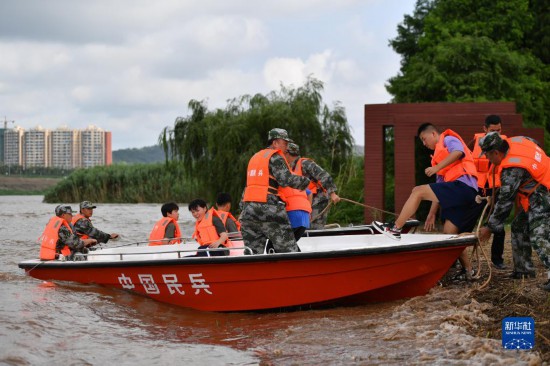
(268, 220)
(532, 226)
(316, 174)
(83, 226)
(66, 237)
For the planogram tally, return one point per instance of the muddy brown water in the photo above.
(69, 323)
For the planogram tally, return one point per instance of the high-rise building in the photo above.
(13, 146)
(93, 146)
(61, 148)
(36, 148)
(65, 148)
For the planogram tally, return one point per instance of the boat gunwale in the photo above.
(257, 258)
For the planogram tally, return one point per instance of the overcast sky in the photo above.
(131, 66)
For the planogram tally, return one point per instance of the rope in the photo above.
(479, 244)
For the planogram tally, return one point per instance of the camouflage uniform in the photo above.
(528, 229)
(66, 237)
(321, 199)
(269, 220)
(85, 227)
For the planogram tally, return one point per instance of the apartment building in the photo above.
(60, 148)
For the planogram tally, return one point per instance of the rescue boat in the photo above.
(329, 270)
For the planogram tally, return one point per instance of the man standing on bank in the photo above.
(488, 184)
(264, 216)
(525, 173)
(84, 228)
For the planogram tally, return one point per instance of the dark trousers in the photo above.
(497, 248)
(299, 232)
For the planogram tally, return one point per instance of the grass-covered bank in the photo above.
(24, 185)
(137, 183)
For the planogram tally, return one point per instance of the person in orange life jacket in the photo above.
(485, 181)
(210, 231)
(298, 204)
(58, 240)
(455, 189)
(83, 224)
(524, 175)
(263, 213)
(223, 206)
(167, 230)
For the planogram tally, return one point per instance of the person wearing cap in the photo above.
(488, 184)
(83, 226)
(525, 176)
(58, 241)
(263, 213)
(298, 206)
(454, 191)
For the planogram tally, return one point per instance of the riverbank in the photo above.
(506, 297)
(18, 185)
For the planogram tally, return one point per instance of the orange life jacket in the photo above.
(458, 168)
(486, 173)
(50, 236)
(258, 181)
(224, 216)
(159, 230)
(524, 153)
(205, 231)
(76, 218)
(294, 198)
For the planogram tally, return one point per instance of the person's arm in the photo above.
(73, 241)
(220, 229)
(313, 171)
(278, 168)
(429, 224)
(231, 226)
(85, 227)
(456, 152)
(169, 233)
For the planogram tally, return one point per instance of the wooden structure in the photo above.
(464, 118)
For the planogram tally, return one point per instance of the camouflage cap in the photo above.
(491, 141)
(293, 149)
(86, 204)
(278, 133)
(63, 209)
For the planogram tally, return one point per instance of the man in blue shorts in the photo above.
(455, 189)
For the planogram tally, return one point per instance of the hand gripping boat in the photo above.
(338, 269)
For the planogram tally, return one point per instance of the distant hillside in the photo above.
(154, 154)
(148, 154)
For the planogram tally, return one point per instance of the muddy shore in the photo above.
(507, 297)
(26, 185)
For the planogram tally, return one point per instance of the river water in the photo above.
(50, 324)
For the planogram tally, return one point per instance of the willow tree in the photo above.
(215, 146)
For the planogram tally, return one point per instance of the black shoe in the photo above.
(546, 286)
(519, 275)
(499, 266)
(390, 230)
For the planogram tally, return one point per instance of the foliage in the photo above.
(214, 147)
(471, 50)
(125, 183)
(12, 170)
(148, 154)
(351, 181)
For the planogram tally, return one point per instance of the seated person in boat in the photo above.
(455, 189)
(223, 206)
(210, 231)
(84, 228)
(263, 213)
(298, 204)
(166, 230)
(58, 240)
